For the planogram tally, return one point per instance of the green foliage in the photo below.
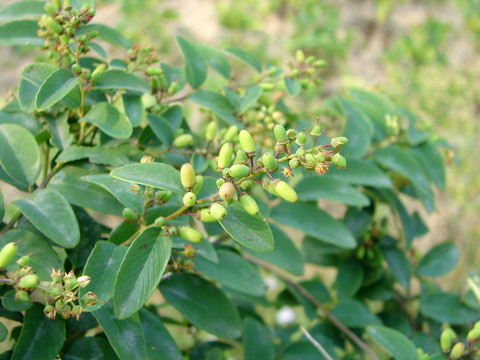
(86, 134)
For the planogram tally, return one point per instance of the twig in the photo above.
(316, 344)
(314, 301)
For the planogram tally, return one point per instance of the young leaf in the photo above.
(52, 215)
(217, 103)
(20, 32)
(19, 154)
(109, 120)
(440, 260)
(257, 341)
(55, 88)
(396, 344)
(245, 56)
(118, 79)
(203, 304)
(21, 10)
(141, 271)
(195, 65)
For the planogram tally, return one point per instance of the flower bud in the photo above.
(146, 159)
(189, 234)
(316, 131)
(457, 351)
(225, 156)
(239, 171)
(189, 199)
(218, 211)
(280, 134)
(446, 339)
(129, 215)
(249, 204)
(227, 191)
(269, 161)
(301, 139)
(160, 221)
(24, 261)
(22, 296)
(211, 131)
(338, 142)
(205, 216)
(285, 191)
(241, 157)
(7, 254)
(83, 281)
(183, 140)
(28, 281)
(247, 143)
(339, 161)
(198, 184)
(231, 132)
(187, 176)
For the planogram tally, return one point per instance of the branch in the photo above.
(316, 344)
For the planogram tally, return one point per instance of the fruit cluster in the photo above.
(450, 344)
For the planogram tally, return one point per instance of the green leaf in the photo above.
(26, 121)
(440, 260)
(120, 189)
(2, 207)
(19, 154)
(111, 121)
(141, 271)
(41, 338)
(10, 304)
(301, 350)
(51, 214)
(354, 313)
(285, 255)
(216, 59)
(125, 336)
(20, 32)
(102, 267)
(251, 231)
(257, 341)
(245, 56)
(60, 130)
(157, 175)
(217, 103)
(160, 344)
(447, 308)
(314, 222)
(55, 88)
(98, 155)
(203, 248)
(3, 332)
(294, 87)
(361, 172)
(162, 129)
(251, 97)
(105, 33)
(22, 10)
(349, 278)
(313, 188)
(89, 348)
(396, 344)
(27, 92)
(43, 259)
(203, 304)
(399, 265)
(120, 80)
(133, 106)
(234, 272)
(195, 65)
(404, 161)
(432, 161)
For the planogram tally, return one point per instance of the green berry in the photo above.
(338, 142)
(446, 339)
(71, 283)
(294, 163)
(218, 211)
(183, 140)
(294, 73)
(301, 139)
(7, 254)
(54, 292)
(247, 143)
(189, 234)
(225, 156)
(249, 204)
(211, 131)
(129, 215)
(269, 161)
(457, 351)
(300, 56)
(163, 195)
(50, 9)
(22, 296)
(226, 172)
(320, 63)
(266, 87)
(24, 261)
(154, 71)
(28, 281)
(241, 157)
(300, 152)
(339, 161)
(280, 134)
(160, 221)
(220, 182)
(231, 132)
(310, 60)
(54, 26)
(320, 157)
(189, 199)
(291, 134)
(239, 171)
(187, 176)
(205, 216)
(172, 89)
(285, 191)
(474, 333)
(227, 191)
(77, 69)
(316, 131)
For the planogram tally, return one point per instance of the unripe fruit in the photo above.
(299, 56)
(241, 157)
(98, 70)
(189, 234)
(160, 221)
(71, 283)
(320, 63)
(129, 215)
(291, 133)
(316, 131)
(227, 191)
(28, 281)
(77, 69)
(22, 296)
(239, 171)
(474, 333)
(189, 199)
(172, 89)
(320, 157)
(211, 131)
(446, 339)
(294, 163)
(154, 71)
(301, 139)
(339, 161)
(54, 26)
(24, 261)
(294, 73)
(226, 172)
(205, 216)
(338, 142)
(285, 191)
(280, 134)
(218, 211)
(267, 86)
(50, 9)
(220, 182)
(231, 132)
(300, 152)
(187, 176)
(269, 161)
(225, 156)
(54, 292)
(247, 143)
(311, 159)
(457, 351)
(249, 204)
(163, 195)
(310, 60)
(183, 140)
(198, 184)
(7, 254)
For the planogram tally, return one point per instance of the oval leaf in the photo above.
(19, 154)
(349, 278)
(361, 172)
(354, 313)
(396, 344)
(105, 33)
(399, 265)
(111, 121)
(245, 56)
(203, 304)
(20, 32)
(55, 88)
(447, 308)
(2, 207)
(217, 103)
(52, 215)
(22, 10)
(195, 65)
(257, 341)
(89, 348)
(118, 79)
(440, 260)
(141, 271)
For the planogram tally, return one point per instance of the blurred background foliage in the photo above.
(424, 54)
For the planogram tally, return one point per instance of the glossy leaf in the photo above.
(21, 10)
(102, 267)
(20, 32)
(19, 154)
(125, 336)
(10, 304)
(216, 59)
(257, 341)
(233, 271)
(117, 79)
(195, 65)
(133, 106)
(361, 172)
(396, 344)
(203, 304)
(89, 348)
(55, 88)
(109, 120)
(141, 271)
(245, 56)
(105, 33)
(41, 338)
(251, 96)
(162, 129)
(321, 187)
(447, 308)
(349, 278)
(354, 313)
(52, 215)
(116, 156)
(314, 222)
(157, 175)
(440, 260)
(215, 102)
(432, 161)
(252, 231)
(399, 265)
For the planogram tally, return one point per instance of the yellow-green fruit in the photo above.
(300, 56)
(269, 161)
(189, 199)
(50, 9)
(57, 4)
(241, 157)
(310, 60)
(269, 186)
(280, 134)
(187, 176)
(154, 71)
(285, 191)
(320, 157)
(301, 139)
(205, 216)
(54, 26)
(220, 182)
(457, 351)
(294, 73)
(316, 131)
(231, 132)
(339, 161)
(249, 204)
(7, 254)
(239, 171)
(24, 261)
(28, 281)
(71, 283)
(294, 163)
(227, 191)
(247, 143)
(225, 156)
(183, 140)
(160, 221)
(189, 234)
(474, 333)
(129, 214)
(267, 86)
(211, 131)
(22, 296)
(446, 339)
(338, 142)
(218, 211)
(163, 195)
(198, 184)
